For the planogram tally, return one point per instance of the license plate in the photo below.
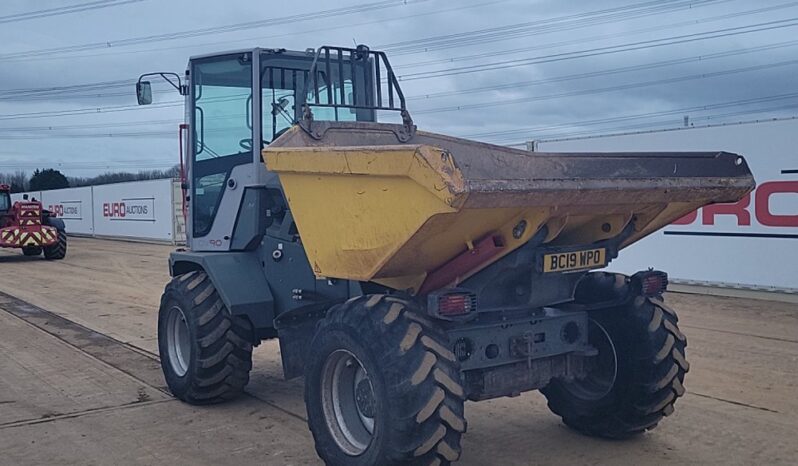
(575, 260)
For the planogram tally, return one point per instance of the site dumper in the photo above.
(26, 225)
(405, 272)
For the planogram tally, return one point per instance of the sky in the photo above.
(501, 71)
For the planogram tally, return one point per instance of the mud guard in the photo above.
(56, 222)
(237, 277)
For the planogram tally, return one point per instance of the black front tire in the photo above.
(216, 356)
(32, 250)
(58, 250)
(649, 374)
(415, 393)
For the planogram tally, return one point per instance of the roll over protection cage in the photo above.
(369, 70)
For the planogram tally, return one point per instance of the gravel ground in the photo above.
(80, 383)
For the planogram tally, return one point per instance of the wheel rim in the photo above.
(178, 341)
(604, 366)
(348, 402)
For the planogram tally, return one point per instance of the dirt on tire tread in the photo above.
(224, 358)
(428, 419)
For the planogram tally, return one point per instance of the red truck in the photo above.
(26, 225)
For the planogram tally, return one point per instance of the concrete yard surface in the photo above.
(80, 383)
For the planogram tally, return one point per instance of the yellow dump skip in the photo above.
(392, 213)
(368, 204)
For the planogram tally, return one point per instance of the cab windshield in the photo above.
(5, 201)
(225, 118)
(282, 81)
(222, 114)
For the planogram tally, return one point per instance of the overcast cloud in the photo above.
(735, 76)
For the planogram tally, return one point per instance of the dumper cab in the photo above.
(404, 271)
(5, 199)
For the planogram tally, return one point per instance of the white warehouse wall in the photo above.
(135, 210)
(139, 209)
(74, 206)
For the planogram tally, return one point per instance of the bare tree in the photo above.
(120, 177)
(19, 181)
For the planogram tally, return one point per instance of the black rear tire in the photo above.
(414, 393)
(213, 362)
(32, 250)
(58, 250)
(648, 378)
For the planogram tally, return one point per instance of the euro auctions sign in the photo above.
(130, 209)
(771, 205)
(69, 210)
(136, 209)
(73, 206)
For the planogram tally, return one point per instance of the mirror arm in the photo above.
(181, 88)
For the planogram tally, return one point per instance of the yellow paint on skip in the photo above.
(355, 207)
(392, 214)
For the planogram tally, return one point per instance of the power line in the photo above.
(136, 134)
(612, 49)
(627, 117)
(64, 10)
(88, 111)
(103, 85)
(150, 133)
(540, 27)
(545, 137)
(589, 39)
(89, 126)
(179, 103)
(678, 111)
(620, 87)
(673, 125)
(250, 40)
(605, 72)
(647, 8)
(120, 108)
(745, 102)
(642, 45)
(494, 103)
(17, 94)
(300, 17)
(76, 96)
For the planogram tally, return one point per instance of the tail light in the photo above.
(451, 304)
(651, 282)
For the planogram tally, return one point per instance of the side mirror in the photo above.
(280, 106)
(144, 92)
